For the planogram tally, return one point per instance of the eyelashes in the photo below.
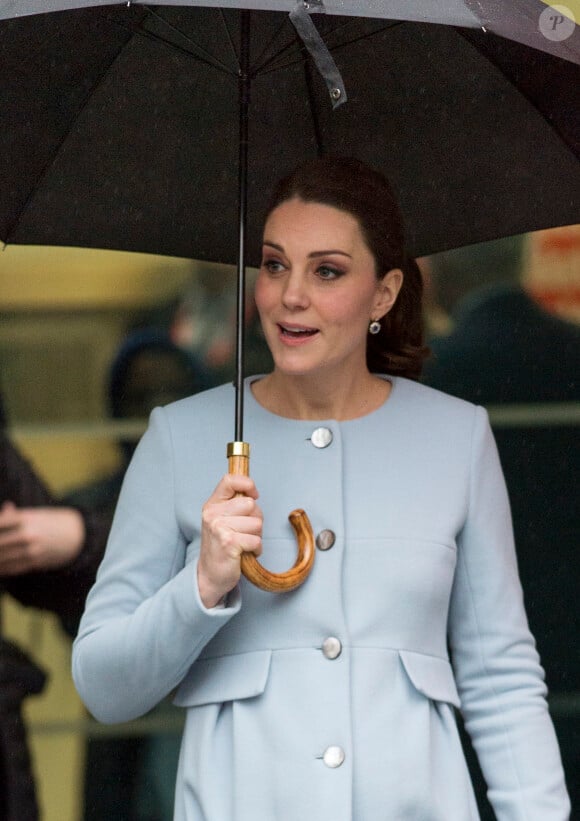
(325, 272)
(273, 266)
(329, 272)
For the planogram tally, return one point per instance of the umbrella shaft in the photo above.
(244, 105)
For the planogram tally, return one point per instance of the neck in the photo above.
(317, 397)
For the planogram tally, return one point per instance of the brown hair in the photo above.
(350, 185)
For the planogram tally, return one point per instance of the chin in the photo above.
(290, 366)
(293, 370)
(285, 365)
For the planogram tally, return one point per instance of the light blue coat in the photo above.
(423, 560)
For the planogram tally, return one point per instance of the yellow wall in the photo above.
(34, 277)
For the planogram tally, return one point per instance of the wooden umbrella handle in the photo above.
(239, 464)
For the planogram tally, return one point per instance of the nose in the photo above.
(295, 292)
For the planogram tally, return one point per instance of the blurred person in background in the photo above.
(503, 347)
(204, 323)
(132, 778)
(49, 554)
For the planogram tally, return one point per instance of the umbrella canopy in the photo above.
(526, 21)
(120, 124)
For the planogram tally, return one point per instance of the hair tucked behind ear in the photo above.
(352, 186)
(398, 348)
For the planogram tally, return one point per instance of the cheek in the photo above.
(263, 293)
(352, 310)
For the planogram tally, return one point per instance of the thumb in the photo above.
(8, 516)
(232, 484)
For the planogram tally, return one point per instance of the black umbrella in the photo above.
(119, 124)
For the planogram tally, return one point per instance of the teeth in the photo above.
(298, 332)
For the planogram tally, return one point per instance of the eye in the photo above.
(328, 272)
(273, 266)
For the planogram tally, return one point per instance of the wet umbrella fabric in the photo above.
(119, 132)
(537, 23)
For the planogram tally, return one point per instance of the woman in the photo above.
(334, 701)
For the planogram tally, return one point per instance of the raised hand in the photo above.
(231, 525)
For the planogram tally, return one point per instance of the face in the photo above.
(317, 289)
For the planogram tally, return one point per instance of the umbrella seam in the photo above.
(337, 47)
(567, 142)
(213, 62)
(50, 162)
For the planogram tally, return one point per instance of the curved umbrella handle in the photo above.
(239, 464)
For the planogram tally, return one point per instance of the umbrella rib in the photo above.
(209, 58)
(288, 47)
(204, 57)
(292, 43)
(314, 113)
(230, 39)
(50, 162)
(571, 144)
(264, 51)
(338, 47)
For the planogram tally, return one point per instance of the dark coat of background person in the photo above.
(504, 348)
(124, 775)
(62, 592)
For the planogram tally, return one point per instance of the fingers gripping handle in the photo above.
(239, 464)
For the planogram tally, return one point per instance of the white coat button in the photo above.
(333, 757)
(325, 539)
(321, 437)
(331, 647)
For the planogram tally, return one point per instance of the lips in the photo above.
(292, 334)
(297, 330)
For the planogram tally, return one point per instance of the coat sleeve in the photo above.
(498, 672)
(64, 589)
(144, 623)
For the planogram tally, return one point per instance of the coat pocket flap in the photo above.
(226, 678)
(431, 676)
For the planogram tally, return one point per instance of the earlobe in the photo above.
(388, 291)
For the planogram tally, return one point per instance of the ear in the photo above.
(387, 292)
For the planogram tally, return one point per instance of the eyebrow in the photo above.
(313, 254)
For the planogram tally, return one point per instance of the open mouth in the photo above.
(296, 332)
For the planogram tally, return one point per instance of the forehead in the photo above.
(296, 220)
